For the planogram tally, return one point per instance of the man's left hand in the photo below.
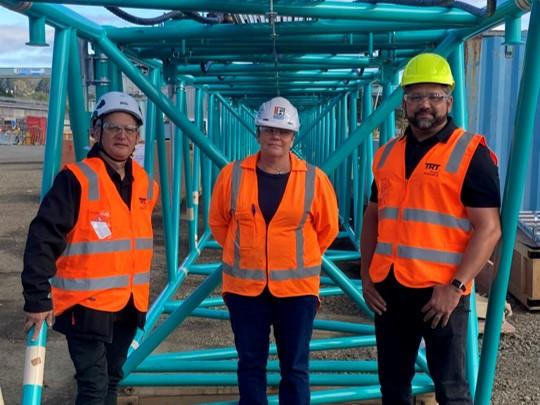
(441, 305)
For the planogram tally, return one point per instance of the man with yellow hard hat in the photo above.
(430, 226)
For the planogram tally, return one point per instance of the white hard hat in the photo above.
(278, 113)
(116, 101)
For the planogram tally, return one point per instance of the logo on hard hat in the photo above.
(279, 112)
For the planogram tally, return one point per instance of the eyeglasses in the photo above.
(116, 129)
(433, 98)
(278, 131)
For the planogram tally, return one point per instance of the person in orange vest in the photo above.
(274, 215)
(88, 252)
(431, 224)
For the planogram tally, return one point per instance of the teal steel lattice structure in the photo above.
(339, 63)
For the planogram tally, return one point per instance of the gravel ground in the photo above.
(518, 369)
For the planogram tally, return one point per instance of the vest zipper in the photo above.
(254, 212)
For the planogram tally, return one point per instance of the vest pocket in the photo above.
(245, 236)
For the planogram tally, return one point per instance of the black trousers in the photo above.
(399, 332)
(98, 362)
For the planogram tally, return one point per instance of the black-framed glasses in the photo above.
(117, 129)
(278, 131)
(432, 98)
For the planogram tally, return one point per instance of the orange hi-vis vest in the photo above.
(109, 250)
(423, 228)
(287, 255)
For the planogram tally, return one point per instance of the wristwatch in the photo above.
(458, 284)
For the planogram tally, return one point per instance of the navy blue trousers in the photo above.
(292, 321)
(399, 332)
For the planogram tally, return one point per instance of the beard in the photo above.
(425, 122)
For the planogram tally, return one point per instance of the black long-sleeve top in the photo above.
(56, 217)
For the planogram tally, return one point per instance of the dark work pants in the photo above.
(292, 319)
(399, 332)
(98, 364)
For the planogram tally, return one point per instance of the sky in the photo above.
(14, 34)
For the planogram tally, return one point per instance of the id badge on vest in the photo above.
(101, 225)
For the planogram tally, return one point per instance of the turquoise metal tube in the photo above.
(330, 9)
(389, 126)
(344, 395)
(345, 284)
(188, 181)
(166, 295)
(174, 320)
(227, 379)
(33, 370)
(350, 170)
(150, 124)
(343, 255)
(162, 102)
(459, 114)
(519, 158)
(207, 167)
(198, 111)
(36, 31)
(101, 73)
(176, 184)
(235, 113)
(512, 31)
(165, 193)
(364, 164)
(115, 78)
(363, 131)
(189, 31)
(327, 109)
(57, 107)
(459, 109)
(78, 117)
(151, 365)
(58, 17)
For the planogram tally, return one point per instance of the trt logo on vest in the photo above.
(279, 112)
(431, 169)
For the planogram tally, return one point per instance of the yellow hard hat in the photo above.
(427, 68)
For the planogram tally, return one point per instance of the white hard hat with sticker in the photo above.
(278, 113)
(116, 101)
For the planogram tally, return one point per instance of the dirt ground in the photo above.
(518, 371)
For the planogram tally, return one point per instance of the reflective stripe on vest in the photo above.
(106, 246)
(458, 152)
(96, 284)
(150, 194)
(429, 255)
(426, 216)
(386, 152)
(93, 185)
(410, 252)
(278, 275)
(91, 176)
(235, 189)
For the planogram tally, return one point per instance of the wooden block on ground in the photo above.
(524, 282)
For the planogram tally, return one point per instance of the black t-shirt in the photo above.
(481, 184)
(271, 188)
